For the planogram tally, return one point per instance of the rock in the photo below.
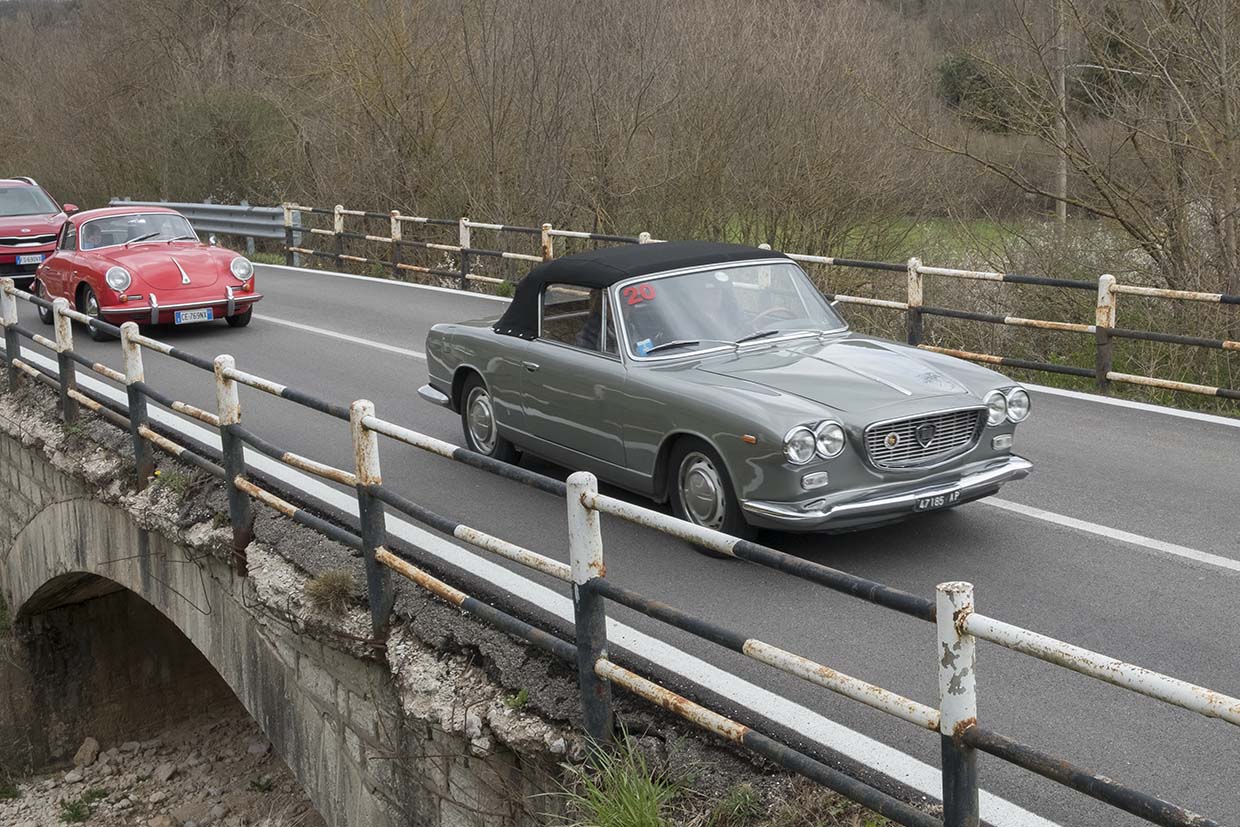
(144, 772)
(158, 797)
(130, 746)
(124, 804)
(74, 777)
(216, 792)
(196, 759)
(87, 753)
(217, 812)
(259, 747)
(164, 771)
(162, 821)
(113, 754)
(107, 770)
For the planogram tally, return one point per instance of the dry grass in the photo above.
(332, 591)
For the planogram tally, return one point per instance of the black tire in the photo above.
(45, 313)
(695, 466)
(478, 422)
(240, 319)
(88, 304)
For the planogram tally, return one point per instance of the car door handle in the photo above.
(531, 366)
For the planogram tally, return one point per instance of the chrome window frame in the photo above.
(84, 224)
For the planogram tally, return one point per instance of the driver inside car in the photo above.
(719, 310)
(91, 237)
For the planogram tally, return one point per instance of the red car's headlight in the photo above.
(118, 278)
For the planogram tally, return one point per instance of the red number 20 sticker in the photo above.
(638, 293)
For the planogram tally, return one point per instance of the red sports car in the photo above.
(145, 265)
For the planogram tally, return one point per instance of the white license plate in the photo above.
(36, 258)
(941, 501)
(190, 316)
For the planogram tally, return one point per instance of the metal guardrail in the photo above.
(952, 612)
(1103, 329)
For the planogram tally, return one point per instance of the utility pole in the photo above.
(1061, 111)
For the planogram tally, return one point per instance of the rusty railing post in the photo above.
(957, 704)
(240, 509)
(337, 234)
(1104, 321)
(131, 359)
(65, 365)
(8, 315)
(288, 234)
(371, 514)
(914, 301)
(585, 551)
(548, 243)
(644, 238)
(464, 241)
(396, 239)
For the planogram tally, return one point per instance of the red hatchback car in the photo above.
(145, 265)
(30, 220)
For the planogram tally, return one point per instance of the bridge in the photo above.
(1125, 541)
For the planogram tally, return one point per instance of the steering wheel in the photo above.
(773, 313)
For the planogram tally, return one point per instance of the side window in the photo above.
(68, 237)
(574, 316)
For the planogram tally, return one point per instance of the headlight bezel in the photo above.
(1028, 404)
(247, 267)
(118, 286)
(788, 449)
(991, 398)
(819, 432)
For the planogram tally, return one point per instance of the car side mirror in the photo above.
(213, 241)
(70, 209)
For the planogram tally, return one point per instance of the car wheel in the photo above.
(88, 303)
(45, 313)
(702, 492)
(240, 319)
(479, 424)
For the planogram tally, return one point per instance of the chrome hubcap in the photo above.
(481, 420)
(92, 305)
(701, 491)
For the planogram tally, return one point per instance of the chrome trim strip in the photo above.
(1014, 468)
(141, 308)
(154, 309)
(434, 396)
(231, 306)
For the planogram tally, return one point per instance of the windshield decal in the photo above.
(638, 293)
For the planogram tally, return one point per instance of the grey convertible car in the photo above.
(717, 377)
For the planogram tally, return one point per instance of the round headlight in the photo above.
(799, 445)
(829, 439)
(117, 278)
(996, 407)
(242, 268)
(1018, 405)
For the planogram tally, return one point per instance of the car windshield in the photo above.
(25, 201)
(727, 305)
(123, 229)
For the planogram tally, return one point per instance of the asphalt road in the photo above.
(1044, 555)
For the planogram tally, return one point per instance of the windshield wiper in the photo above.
(761, 334)
(140, 238)
(183, 238)
(685, 343)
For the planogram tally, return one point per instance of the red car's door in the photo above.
(54, 274)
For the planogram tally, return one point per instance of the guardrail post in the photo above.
(370, 512)
(1104, 320)
(957, 704)
(249, 239)
(463, 240)
(644, 238)
(585, 552)
(396, 239)
(288, 234)
(548, 243)
(914, 301)
(240, 509)
(8, 315)
(337, 234)
(131, 360)
(65, 365)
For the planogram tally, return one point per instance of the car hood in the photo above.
(12, 225)
(846, 374)
(166, 267)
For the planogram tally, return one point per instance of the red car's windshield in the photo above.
(123, 229)
(25, 201)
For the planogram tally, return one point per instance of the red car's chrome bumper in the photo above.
(155, 313)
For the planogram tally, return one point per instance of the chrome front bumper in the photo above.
(434, 396)
(885, 507)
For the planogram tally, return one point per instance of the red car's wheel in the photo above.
(240, 319)
(88, 303)
(45, 313)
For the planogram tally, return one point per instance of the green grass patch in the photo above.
(74, 812)
(267, 258)
(519, 700)
(93, 794)
(741, 808)
(174, 481)
(618, 788)
(9, 790)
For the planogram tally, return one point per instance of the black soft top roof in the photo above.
(604, 267)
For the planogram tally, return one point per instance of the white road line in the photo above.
(390, 282)
(357, 340)
(861, 748)
(1213, 419)
(1115, 534)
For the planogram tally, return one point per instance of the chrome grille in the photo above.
(895, 444)
(24, 240)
